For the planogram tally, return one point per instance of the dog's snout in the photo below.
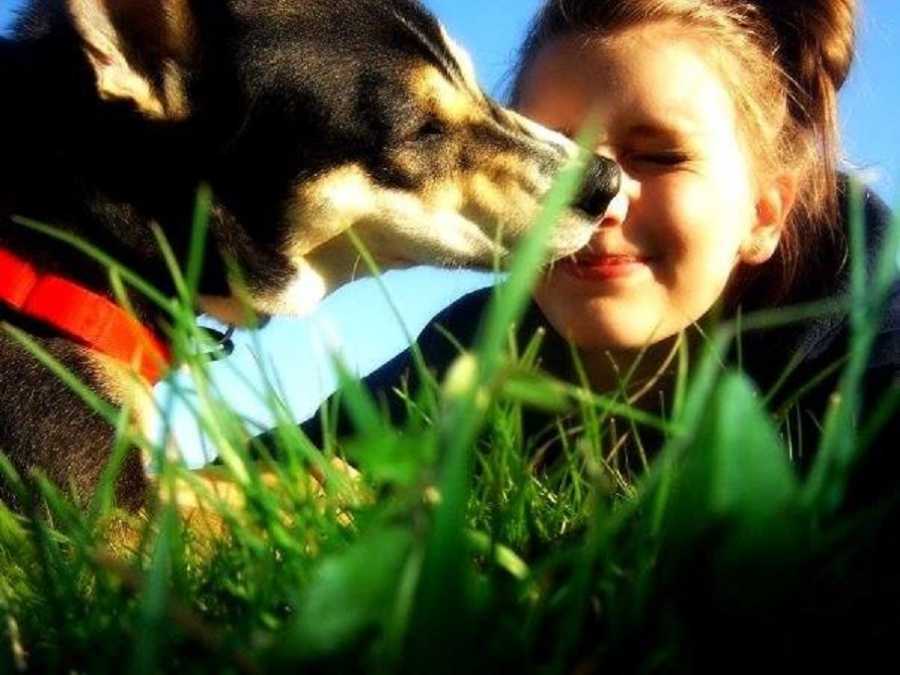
(601, 183)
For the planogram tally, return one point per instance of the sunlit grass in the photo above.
(460, 547)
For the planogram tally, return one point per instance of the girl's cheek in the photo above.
(676, 213)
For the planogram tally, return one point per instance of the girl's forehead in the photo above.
(642, 77)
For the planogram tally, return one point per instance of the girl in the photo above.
(722, 116)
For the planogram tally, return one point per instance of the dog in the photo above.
(305, 118)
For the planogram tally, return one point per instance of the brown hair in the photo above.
(786, 60)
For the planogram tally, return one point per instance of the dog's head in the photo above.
(323, 115)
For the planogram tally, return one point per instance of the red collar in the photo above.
(88, 317)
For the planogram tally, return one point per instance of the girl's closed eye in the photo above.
(665, 158)
(657, 158)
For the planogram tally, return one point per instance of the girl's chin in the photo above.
(591, 328)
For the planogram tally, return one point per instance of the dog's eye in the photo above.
(431, 128)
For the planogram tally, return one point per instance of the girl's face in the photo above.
(689, 210)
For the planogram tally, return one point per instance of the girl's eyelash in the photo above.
(665, 158)
(670, 158)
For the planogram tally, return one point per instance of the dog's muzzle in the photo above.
(601, 183)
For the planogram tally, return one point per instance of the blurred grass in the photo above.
(457, 550)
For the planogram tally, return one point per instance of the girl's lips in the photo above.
(604, 267)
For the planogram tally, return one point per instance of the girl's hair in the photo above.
(783, 60)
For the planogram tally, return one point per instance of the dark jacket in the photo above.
(818, 344)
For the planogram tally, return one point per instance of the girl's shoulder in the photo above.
(808, 356)
(827, 275)
(439, 342)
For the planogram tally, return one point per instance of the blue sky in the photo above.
(357, 322)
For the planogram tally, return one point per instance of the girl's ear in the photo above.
(773, 207)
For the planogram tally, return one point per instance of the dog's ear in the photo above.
(139, 51)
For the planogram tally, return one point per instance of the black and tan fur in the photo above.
(306, 118)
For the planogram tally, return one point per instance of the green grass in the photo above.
(462, 553)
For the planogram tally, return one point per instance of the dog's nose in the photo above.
(601, 183)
